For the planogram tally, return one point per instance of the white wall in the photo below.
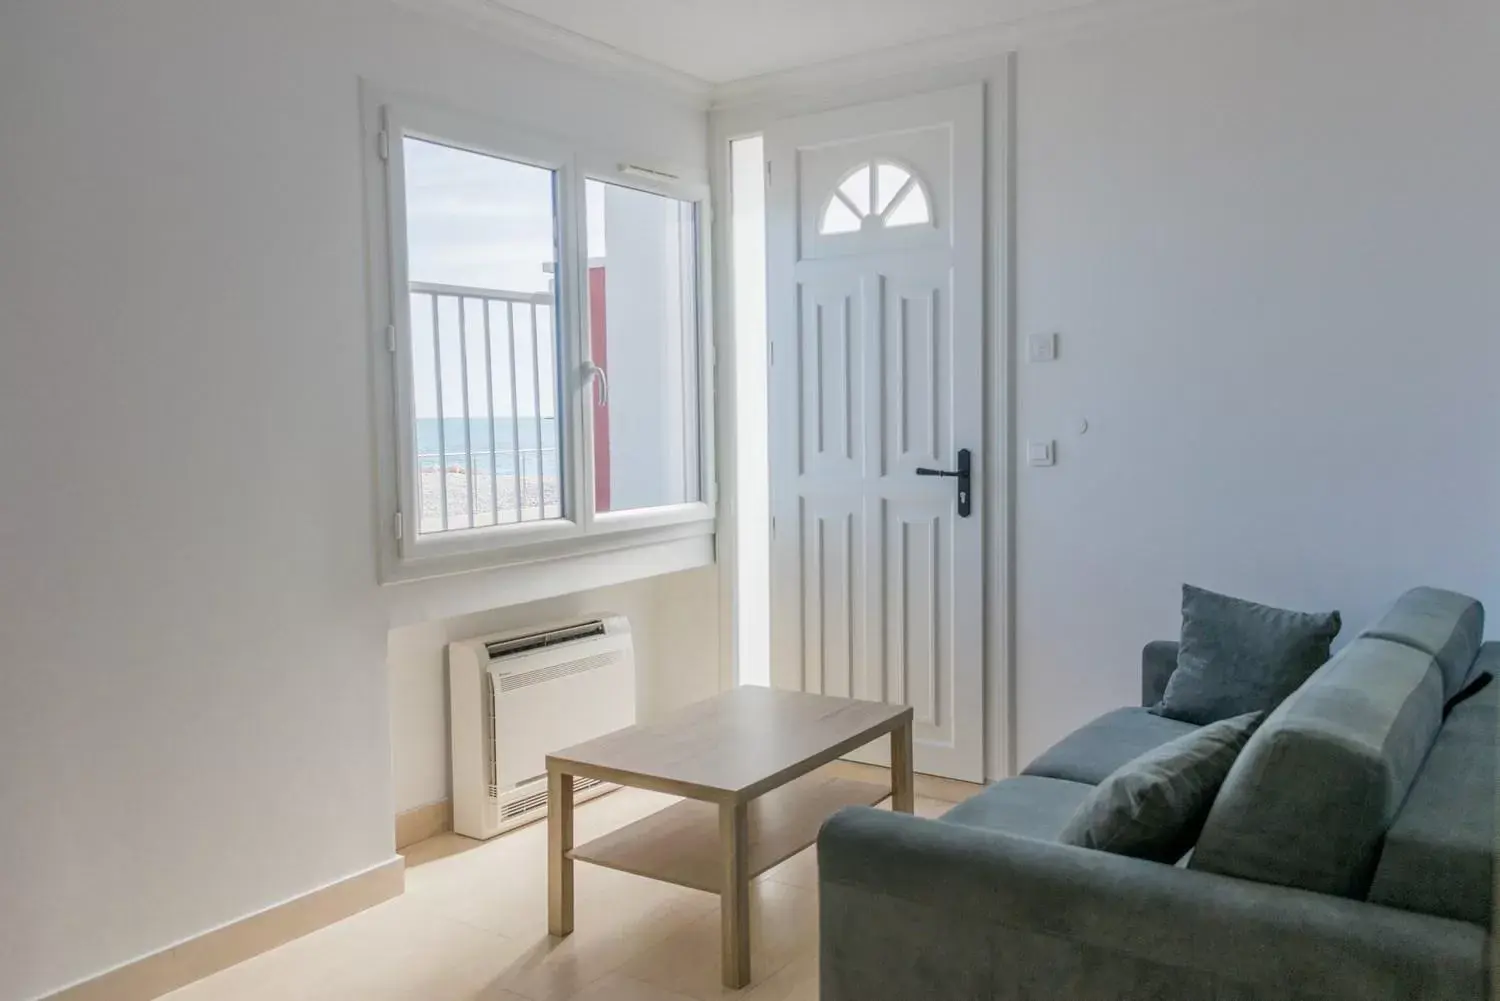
(1270, 240)
(194, 718)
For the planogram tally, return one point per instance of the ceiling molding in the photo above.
(549, 40)
(949, 50)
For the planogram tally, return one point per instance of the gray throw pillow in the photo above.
(1238, 657)
(1154, 807)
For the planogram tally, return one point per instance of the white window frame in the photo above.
(406, 555)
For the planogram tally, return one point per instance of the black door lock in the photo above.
(961, 474)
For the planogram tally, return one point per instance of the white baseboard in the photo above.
(181, 964)
(423, 822)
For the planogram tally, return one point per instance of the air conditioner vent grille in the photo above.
(523, 679)
(540, 641)
(537, 801)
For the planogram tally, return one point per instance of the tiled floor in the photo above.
(472, 926)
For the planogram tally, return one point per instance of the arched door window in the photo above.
(875, 195)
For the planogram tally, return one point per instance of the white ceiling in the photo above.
(718, 41)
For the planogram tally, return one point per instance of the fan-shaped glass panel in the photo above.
(838, 218)
(889, 179)
(879, 193)
(911, 210)
(856, 188)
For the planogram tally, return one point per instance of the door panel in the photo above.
(830, 372)
(918, 610)
(916, 330)
(875, 248)
(833, 610)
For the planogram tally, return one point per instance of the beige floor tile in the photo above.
(398, 951)
(591, 819)
(617, 988)
(604, 939)
(925, 807)
(799, 870)
(440, 847)
(501, 887)
(472, 927)
(506, 892)
(796, 981)
(783, 923)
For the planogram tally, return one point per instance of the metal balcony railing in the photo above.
(476, 466)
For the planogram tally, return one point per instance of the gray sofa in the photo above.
(1347, 856)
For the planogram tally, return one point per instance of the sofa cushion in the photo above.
(1027, 807)
(1316, 788)
(1090, 753)
(1439, 853)
(1239, 657)
(1154, 806)
(1446, 625)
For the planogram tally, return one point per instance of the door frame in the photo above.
(997, 76)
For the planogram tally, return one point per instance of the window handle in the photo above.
(601, 380)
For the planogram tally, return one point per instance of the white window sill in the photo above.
(446, 591)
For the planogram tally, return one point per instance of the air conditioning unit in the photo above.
(520, 695)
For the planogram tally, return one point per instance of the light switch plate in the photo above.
(1041, 453)
(1042, 347)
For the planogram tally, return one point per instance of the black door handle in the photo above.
(961, 474)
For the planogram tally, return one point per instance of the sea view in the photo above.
(522, 484)
(450, 441)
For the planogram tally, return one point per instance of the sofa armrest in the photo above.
(1158, 661)
(914, 908)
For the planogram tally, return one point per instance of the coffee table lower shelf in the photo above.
(681, 843)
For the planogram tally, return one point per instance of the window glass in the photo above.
(643, 335)
(481, 233)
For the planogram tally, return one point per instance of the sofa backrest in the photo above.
(1438, 856)
(1314, 791)
(1446, 625)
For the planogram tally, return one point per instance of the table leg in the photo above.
(559, 843)
(734, 894)
(903, 782)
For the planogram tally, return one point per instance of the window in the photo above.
(876, 194)
(546, 339)
(643, 310)
(480, 232)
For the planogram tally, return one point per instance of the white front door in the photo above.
(876, 313)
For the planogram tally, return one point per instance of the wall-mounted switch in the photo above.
(1042, 347)
(1041, 453)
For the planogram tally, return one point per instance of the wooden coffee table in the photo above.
(743, 760)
